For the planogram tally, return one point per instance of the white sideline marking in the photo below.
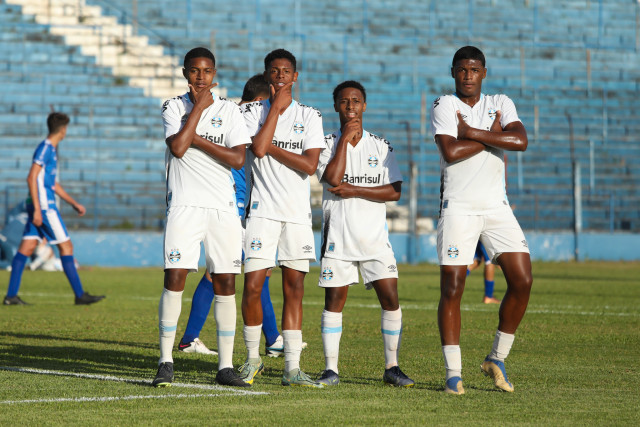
(131, 380)
(107, 399)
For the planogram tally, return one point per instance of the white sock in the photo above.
(251, 336)
(452, 360)
(292, 349)
(331, 326)
(391, 325)
(168, 315)
(224, 311)
(501, 346)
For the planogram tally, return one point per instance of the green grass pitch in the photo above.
(575, 360)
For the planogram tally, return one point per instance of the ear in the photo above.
(295, 76)
(215, 71)
(185, 74)
(364, 107)
(452, 73)
(484, 74)
(335, 107)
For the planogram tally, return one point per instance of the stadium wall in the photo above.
(135, 249)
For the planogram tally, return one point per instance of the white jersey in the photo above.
(197, 179)
(355, 229)
(277, 191)
(476, 185)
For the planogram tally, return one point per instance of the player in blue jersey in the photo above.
(480, 257)
(44, 218)
(256, 89)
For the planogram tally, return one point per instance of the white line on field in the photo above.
(108, 399)
(130, 380)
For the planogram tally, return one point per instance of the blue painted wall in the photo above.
(144, 249)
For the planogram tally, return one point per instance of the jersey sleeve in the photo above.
(314, 137)
(509, 113)
(325, 155)
(251, 115)
(391, 170)
(443, 118)
(171, 118)
(42, 155)
(238, 134)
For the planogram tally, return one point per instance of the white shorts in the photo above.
(219, 231)
(335, 273)
(458, 236)
(264, 238)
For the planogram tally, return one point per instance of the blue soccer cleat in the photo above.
(495, 369)
(454, 386)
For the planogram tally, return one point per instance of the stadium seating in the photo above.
(571, 67)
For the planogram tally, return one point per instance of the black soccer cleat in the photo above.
(87, 298)
(228, 376)
(14, 300)
(164, 377)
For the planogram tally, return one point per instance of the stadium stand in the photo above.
(571, 67)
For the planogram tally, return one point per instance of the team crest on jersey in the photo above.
(372, 161)
(256, 244)
(174, 256)
(216, 122)
(331, 247)
(327, 274)
(492, 113)
(453, 251)
(307, 249)
(298, 127)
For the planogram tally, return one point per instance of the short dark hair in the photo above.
(198, 52)
(468, 52)
(254, 87)
(349, 83)
(279, 54)
(56, 121)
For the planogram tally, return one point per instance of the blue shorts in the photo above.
(481, 254)
(52, 228)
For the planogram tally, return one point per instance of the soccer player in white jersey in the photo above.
(287, 140)
(359, 173)
(472, 130)
(206, 137)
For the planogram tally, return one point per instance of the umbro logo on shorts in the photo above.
(525, 244)
(453, 251)
(237, 263)
(307, 249)
(393, 268)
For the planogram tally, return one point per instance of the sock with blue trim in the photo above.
(168, 315)
(292, 349)
(501, 346)
(251, 335)
(17, 268)
(331, 326)
(391, 326)
(452, 360)
(224, 311)
(488, 288)
(269, 323)
(69, 267)
(200, 307)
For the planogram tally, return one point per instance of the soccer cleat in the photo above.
(249, 370)
(14, 300)
(328, 377)
(164, 377)
(87, 298)
(195, 346)
(495, 369)
(277, 348)
(454, 386)
(228, 376)
(395, 377)
(490, 300)
(296, 377)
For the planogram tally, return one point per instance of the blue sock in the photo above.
(269, 324)
(17, 267)
(468, 271)
(488, 288)
(69, 267)
(200, 307)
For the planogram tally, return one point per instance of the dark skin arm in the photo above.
(262, 141)
(181, 141)
(233, 156)
(512, 138)
(383, 193)
(351, 133)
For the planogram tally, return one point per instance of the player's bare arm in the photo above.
(307, 162)
(60, 191)
(233, 157)
(181, 141)
(454, 150)
(382, 193)
(32, 182)
(280, 101)
(351, 134)
(512, 138)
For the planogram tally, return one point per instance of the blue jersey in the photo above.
(46, 156)
(241, 188)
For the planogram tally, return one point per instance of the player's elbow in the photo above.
(177, 153)
(259, 152)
